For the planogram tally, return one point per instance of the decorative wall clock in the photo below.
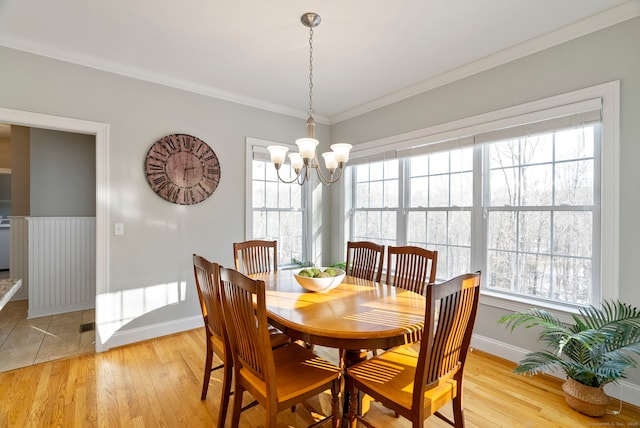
(182, 169)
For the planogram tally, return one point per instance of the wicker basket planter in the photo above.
(590, 400)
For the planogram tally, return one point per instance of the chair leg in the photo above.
(237, 404)
(207, 371)
(272, 416)
(458, 411)
(226, 393)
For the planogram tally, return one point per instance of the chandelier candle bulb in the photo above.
(341, 151)
(307, 147)
(330, 161)
(296, 161)
(278, 154)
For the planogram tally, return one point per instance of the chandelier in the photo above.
(307, 159)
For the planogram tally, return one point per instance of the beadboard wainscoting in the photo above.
(62, 264)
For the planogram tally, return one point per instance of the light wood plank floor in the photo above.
(157, 384)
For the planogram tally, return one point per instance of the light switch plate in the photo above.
(119, 228)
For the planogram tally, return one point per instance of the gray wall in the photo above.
(160, 237)
(63, 174)
(607, 55)
(5, 187)
(154, 254)
(20, 171)
(5, 195)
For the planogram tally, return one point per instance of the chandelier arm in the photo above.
(331, 179)
(294, 178)
(302, 178)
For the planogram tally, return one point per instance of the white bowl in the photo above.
(319, 285)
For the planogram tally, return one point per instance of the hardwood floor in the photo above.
(157, 384)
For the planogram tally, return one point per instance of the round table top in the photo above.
(357, 314)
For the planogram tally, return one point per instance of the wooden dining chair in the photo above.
(411, 268)
(206, 276)
(416, 384)
(276, 378)
(207, 279)
(365, 260)
(255, 256)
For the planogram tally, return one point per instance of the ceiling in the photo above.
(366, 54)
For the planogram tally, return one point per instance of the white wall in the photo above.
(607, 55)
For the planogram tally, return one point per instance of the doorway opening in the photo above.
(101, 133)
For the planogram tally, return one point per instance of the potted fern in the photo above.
(595, 350)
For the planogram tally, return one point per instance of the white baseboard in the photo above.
(60, 309)
(624, 391)
(134, 335)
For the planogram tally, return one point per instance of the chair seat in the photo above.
(277, 338)
(299, 373)
(390, 377)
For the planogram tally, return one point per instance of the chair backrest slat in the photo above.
(256, 256)
(206, 277)
(447, 339)
(244, 304)
(365, 260)
(411, 268)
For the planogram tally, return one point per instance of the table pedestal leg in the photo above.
(351, 357)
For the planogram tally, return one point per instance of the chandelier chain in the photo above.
(311, 71)
(306, 160)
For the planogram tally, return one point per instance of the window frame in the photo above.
(594, 208)
(609, 94)
(253, 144)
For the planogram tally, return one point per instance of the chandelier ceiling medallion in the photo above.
(307, 158)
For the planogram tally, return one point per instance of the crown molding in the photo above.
(77, 58)
(607, 18)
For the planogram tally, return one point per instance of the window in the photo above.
(439, 208)
(376, 202)
(541, 215)
(518, 195)
(276, 209)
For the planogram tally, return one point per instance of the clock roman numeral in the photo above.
(155, 167)
(209, 184)
(185, 142)
(170, 144)
(202, 192)
(187, 196)
(160, 182)
(198, 148)
(213, 171)
(204, 151)
(172, 192)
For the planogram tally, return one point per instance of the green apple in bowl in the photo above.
(319, 279)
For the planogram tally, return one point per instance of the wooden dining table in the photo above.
(356, 316)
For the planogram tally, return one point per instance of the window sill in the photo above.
(519, 304)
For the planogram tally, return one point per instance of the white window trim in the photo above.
(250, 143)
(610, 179)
